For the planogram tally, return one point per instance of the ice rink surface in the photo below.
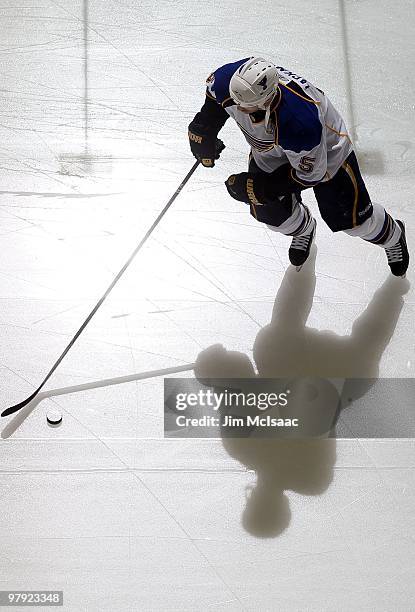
(96, 99)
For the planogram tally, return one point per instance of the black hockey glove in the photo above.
(205, 146)
(242, 187)
(261, 187)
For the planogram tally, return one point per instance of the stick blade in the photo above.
(19, 406)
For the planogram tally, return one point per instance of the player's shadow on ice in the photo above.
(287, 348)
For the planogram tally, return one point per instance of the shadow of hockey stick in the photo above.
(22, 415)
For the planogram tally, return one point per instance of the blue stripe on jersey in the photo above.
(223, 76)
(256, 143)
(299, 126)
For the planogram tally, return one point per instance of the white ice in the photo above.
(96, 99)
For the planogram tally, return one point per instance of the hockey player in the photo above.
(298, 141)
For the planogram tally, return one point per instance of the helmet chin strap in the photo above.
(266, 105)
(268, 127)
(267, 122)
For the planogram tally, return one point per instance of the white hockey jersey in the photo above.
(305, 129)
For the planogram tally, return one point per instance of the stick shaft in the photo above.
(147, 235)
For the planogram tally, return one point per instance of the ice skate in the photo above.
(398, 256)
(300, 247)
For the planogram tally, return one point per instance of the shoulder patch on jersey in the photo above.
(221, 79)
(298, 121)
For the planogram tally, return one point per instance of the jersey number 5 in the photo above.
(307, 164)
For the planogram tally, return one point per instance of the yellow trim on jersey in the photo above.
(356, 191)
(311, 184)
(209, 95)
(256, 143)
(226, 100)
(336, 132)
(299, 95)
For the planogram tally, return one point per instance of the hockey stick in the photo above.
(21, 405)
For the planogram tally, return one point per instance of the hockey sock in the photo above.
(379, 229)
(300, 222)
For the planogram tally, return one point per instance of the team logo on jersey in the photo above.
(210, 79)
(307, 164)
(263, 83)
